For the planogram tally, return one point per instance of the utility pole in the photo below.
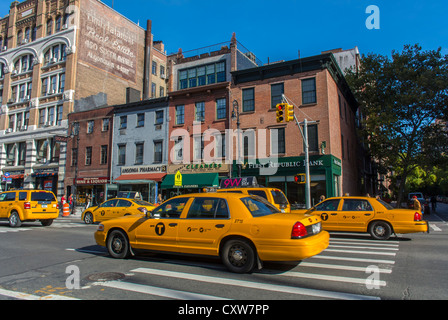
(304, 134)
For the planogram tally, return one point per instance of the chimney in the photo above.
(148, 59)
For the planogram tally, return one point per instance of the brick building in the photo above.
(316, 86)
(199, 93)
(57, 57)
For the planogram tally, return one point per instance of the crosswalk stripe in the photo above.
(378, 261)
(339, 267)
(364, 243)
(362, 252)
(361, 247)
(27, 296)
(157, 291)
(257, 285)
(365, 240)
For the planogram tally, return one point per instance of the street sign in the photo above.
(7, 174)
(178, 179)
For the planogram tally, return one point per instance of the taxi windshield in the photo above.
(258, 207)
(143, 203)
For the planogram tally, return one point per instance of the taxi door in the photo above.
(355, 215)
(122, 208)
(329, 213)
(159, 232)
(105, 211)
(207, 220)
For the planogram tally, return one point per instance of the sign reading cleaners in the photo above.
(108, 41)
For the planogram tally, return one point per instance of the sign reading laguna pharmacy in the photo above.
(143, 169)
(108, 41)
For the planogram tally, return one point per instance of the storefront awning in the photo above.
(199, 180)
(140, 177)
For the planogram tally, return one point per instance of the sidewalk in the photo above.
(440, 213)
(77, 212)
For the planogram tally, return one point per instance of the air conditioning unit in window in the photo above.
(24, 41)
(24, 128)
(64, 26)
(9, 130)
(14, 72)
(163, 76)
(53, 60)
(4, 48)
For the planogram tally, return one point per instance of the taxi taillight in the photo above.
(298, 231)
(26, 205)
(417, 216)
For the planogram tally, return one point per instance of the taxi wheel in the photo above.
(380, 230)
(88, 218)
(118, 244)
(238, 256)
(46, 222)
(14, 220)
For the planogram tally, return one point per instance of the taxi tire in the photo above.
(380, 230)
(46, 222)
(88, 218)
(117, 244)
(238, 256)
(14, 220)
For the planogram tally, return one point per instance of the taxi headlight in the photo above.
(100, 227)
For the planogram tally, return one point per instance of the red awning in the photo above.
(142, 176)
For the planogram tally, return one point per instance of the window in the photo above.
(55, 54)
(123, 122)
(121, 154)
(180, 114)
(280, 132)
(313, 140)
(162, 71)
(60, 109)
(248, 99)
(202, 75)
(154, 68)
(24, 63)
(249, 143)
(88, 156)
(19, 37)
(162, 91)
(171, 208)
(103, 154)
(199, 114)
(158, 149)
(277, 91)
(221, 109)
(105, 126)
(309, 91)
(328, 205)
(61, 82)
(139, 152)
(198, 146)
(90, 125)
(356, 205)
(140, 119)
(259, 207)
(74, 160)
(50, 117)
(178, 148)
(49, 27)
(53, 84)
(159, 117)
(153, 90)
(58, 23)
(42, 117)
(208, 208)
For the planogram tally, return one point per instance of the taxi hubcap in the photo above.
(380, 230)
(117, 245)
(237, 255)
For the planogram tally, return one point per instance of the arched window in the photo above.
(58, 23)
(34, 33)
(19, 37)
(55, 53)
(24, 63)
(27, 34)
(49, 27)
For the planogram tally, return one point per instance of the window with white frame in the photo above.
(53, 84)
(21, 92)
(90, 125)
(55, 54)
(23, 64)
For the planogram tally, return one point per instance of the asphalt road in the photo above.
(63, 262)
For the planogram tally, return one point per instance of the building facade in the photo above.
(199, 111)
(317, 88)
(140, 147)
(56, 57)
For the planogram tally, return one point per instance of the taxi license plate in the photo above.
(43, 205)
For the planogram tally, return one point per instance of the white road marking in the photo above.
(379, 261)
(339, 267)
(362, 252)
(256, 285)
(27, 296)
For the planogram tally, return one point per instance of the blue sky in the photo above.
(278, 29)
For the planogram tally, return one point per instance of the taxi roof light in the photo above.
(298, 231)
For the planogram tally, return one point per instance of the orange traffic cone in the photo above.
(65, 210)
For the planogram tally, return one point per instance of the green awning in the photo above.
(198, 180)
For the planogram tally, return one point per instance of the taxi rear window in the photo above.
(42, 196)
(279, 197)
(143, 203)
(258, 207)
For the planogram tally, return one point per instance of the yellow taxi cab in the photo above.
(115, 208)
(249, 185)
(365, 214)
(28, 205)
(242, 230)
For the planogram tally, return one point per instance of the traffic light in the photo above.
(280, 112)
(300, 178)
(289, 116)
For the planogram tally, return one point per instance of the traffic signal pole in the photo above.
(304, 134)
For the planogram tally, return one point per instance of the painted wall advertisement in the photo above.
(108, 41)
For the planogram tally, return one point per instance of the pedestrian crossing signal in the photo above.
(280, 110)
(300, 178)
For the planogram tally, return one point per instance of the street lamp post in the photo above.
(236, 115)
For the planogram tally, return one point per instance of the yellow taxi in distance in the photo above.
(115, 208)
(243, 230)
(28, 205)
(249, 185)
(364, 214)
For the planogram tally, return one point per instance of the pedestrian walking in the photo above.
(70, 203)
(433, 203)
(416, 204)
(88, 200)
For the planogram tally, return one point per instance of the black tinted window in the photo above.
(259, 207)
(328, 205)
(208, 208)
(279, 197)
(42, 196)
(10, 196)
(259, 193)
